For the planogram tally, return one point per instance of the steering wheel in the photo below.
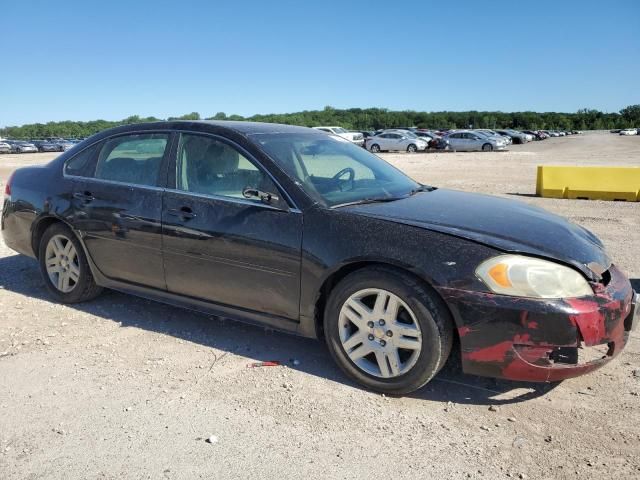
(338, 177)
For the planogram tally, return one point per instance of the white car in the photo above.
(629, 131)
(354, 137)
(396, 140)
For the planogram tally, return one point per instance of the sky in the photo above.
(89, 59)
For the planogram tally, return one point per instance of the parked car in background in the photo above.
(516, 136)
(471, 141)
(354, 137)
(65, 145)
(20, 146)
(365, 134)
(535, 134)
(434, 141)
(628, 131)
(47, 146)
(396, 140)
(5, 147)
(491, 133)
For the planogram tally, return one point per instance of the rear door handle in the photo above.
(184, 212)
(84, 196)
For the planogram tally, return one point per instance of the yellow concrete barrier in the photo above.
(593, 183)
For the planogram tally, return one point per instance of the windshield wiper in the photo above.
(363, 201)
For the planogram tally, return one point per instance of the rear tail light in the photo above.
(7, 187)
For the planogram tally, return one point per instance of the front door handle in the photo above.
(86, 197)
(184, 212)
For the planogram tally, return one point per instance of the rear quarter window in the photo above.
(82, 164)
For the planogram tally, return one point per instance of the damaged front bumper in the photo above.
(542, 340)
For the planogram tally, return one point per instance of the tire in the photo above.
(412, 148)
(487, 147)
(420, 310)
(375, 148)
(81, 287)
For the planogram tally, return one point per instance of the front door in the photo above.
(222, 247)
(118, 208)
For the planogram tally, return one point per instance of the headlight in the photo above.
(522, 276)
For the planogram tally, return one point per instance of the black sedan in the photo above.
(304, 232)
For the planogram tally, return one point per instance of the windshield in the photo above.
(334, 172)
(409, 134)
(339, 130)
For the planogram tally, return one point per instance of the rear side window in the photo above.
(82, 164)
(133, 159)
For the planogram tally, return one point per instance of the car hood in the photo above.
(505, 224)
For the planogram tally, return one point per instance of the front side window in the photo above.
(133, 159)
(208, 166)
(334, 172)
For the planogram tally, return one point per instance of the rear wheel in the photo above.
(487, 147)
(64, 266)
(386, 330)
(375, 148)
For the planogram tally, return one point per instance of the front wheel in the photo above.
(64, 266)
(375, 148)
(412, 148)
(386, 330)
(487, 147)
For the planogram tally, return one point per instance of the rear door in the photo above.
(394, 141)
(220, 246)
(118, 208)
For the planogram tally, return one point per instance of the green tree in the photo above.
(632, 115)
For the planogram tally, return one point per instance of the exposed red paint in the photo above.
(462, 331)
(517, 337)
(494, 353)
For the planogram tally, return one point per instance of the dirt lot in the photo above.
(126, 388)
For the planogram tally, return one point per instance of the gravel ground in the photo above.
(126, 388)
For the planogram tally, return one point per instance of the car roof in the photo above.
(216, 126)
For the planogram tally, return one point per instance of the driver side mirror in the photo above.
(255, 194)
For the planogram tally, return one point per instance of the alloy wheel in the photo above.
(62, 263)
(379, 333)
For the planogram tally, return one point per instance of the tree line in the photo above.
(366, 119)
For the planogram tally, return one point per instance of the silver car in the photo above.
(470, 141)
(491, 133)
(24, 147)
(5, 147)
(396, 140)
